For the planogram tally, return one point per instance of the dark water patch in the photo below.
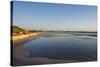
(63, 47)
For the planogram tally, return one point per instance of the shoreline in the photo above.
(15, 38)
(21, 55)
(22, 38)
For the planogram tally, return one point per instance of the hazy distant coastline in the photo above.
(18, 33)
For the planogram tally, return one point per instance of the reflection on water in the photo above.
(63, 47)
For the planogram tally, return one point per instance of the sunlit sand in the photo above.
(15, 38)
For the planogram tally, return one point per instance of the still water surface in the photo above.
(64, 47)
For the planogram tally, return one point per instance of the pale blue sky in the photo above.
(46, 16)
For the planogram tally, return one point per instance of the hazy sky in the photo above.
(46, 16)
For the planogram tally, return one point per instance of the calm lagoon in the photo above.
(63, 47)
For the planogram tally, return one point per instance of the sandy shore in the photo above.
(15, 38)
(20, 39)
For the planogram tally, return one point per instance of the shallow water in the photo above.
(63, 47)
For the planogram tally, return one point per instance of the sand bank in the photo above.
(19, 37)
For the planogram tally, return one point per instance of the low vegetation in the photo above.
(19, 31)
